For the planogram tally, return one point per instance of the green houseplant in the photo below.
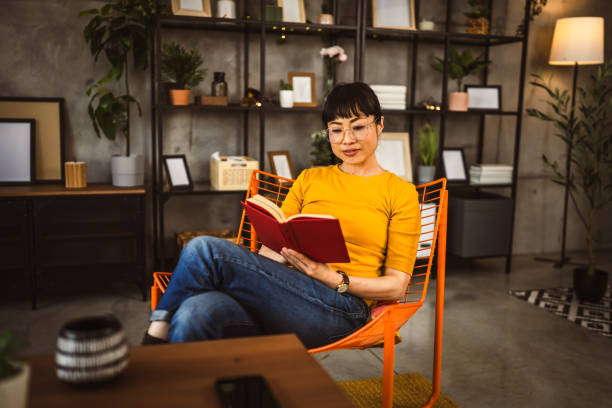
(285, 94)
(460, 65)
(181, 68)
(118, 30)
(588, 132)
(321, 149)
(428, 149)
(14, 375)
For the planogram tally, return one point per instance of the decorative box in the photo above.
(232, 172)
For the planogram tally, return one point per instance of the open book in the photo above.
(317, 236)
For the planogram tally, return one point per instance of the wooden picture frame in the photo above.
(293, 11)
(177, 171)
(393, 154)
(395, 14)
(304, 90)
(453, 166)
(193, 8)
(484, 97)
(49, 141)
(280, 163)
(17, 151)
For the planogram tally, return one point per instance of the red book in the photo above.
(317, 236)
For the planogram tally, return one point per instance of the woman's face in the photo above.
(354, 139)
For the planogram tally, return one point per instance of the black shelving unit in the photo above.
(361, 32)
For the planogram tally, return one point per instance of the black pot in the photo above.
(590, 288)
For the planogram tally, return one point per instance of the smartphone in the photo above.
(250, 391)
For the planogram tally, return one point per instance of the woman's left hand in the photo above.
(317, 270)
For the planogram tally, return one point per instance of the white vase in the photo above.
(128, 171)
(14, 389)
(226, 9)
(458, 101)
(286, 99)
(426, 174)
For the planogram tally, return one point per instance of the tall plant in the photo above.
(588, 131)
(460, 65)
(428, 144)
(118, 30)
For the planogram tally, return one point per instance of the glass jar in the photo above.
(219, 86)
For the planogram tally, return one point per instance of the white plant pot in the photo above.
(286, 99)
(426, 174)
(14, 390)
(128, 171)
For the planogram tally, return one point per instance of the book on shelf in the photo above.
(389, 88)
(317, 236)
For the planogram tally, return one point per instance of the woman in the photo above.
(221, 290)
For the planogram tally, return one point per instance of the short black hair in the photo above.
(347, 100)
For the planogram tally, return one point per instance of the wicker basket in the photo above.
(231, 175)
(477, 26)
(182, 238)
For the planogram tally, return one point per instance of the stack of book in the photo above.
(490, 174)
(391, 96)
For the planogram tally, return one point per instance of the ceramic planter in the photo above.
(458, 101)
(14, 389)
(426, 174)
(325, 19)
(590, 288)
(286, 99)
(179, 96)
(128, 171)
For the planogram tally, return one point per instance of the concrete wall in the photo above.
(44, 54)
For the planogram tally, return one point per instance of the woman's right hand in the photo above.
(268, 253)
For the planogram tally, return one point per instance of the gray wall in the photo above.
(44, 54)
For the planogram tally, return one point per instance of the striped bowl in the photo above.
(91, 350)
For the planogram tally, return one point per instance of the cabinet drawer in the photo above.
(14, 234)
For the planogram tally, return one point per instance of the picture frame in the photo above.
(177, 171)
(453, 165)
(192, 8)
(49, 140)
(280, 163)
(484, 97)
(304, 90)
(393, 154)
(17, 151)
(293, 11)
(395, 14)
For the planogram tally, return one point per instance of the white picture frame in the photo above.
(393, 154)
(193, 8)
(17, 151)
(293, 11)
(304, 91)
(453, 163)
(177, 171)
(485, 97)
(280, 164)
(395, 14)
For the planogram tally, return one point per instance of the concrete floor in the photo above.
(498, 351)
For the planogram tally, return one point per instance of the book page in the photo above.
(268, 205)
(330, 217)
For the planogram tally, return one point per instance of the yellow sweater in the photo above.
(379, 216)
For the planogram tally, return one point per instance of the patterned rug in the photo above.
(409, 391)
(562, 302)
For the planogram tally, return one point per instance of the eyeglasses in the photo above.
(358, 132)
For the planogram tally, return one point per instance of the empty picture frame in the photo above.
(293, 10)
(393, 154)
(484, 97)
(397, 14)
(280, 163)
(453, 162)
(49, 116)
(193, 8)
(177, 170)
(303, 84)
(17, 151)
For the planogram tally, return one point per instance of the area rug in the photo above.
(409, 390)
(562, 302)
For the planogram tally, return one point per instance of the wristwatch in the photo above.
(343, 287)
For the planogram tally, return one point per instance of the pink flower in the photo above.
(342, 57)
(334, 51)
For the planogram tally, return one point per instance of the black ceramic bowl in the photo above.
(91, 350)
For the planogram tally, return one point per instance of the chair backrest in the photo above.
(431, 198)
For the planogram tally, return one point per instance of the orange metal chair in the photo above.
(386, 318)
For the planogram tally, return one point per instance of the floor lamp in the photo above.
(576, 41)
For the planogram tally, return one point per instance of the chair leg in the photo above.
(388, 365)
(155, 292)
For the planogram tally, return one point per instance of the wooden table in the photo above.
(183, 375)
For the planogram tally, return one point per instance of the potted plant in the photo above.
(321, 150)
(118, 30)
(286, 94)
(587, 133)
(428, 149)
(182, 69)
(14, 375)
(478, 17)
(460, 65)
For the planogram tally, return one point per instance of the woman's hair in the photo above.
(353, 99)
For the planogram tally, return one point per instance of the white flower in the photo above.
(334, 51)
(342, 57)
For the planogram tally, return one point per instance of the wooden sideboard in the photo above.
(47, 231)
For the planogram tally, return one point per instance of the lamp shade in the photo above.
(578, 40)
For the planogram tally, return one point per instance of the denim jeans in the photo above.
(221, 290)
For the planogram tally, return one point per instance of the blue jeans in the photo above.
(221, 290)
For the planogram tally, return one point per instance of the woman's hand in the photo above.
(316, 270)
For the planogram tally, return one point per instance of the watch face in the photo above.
(342, 288)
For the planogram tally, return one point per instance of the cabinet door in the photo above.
(14, 235)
